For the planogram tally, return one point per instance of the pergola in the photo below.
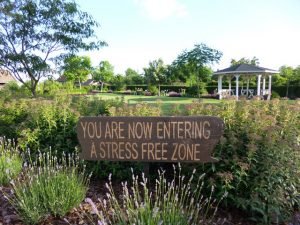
(245, 71)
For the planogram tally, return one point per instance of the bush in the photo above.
(10, 161)
(259, 156)
(49, 186)
(142, 109)
(274, 94)
(173, 202)
(49, 123)
(153, 90)
(174, 94)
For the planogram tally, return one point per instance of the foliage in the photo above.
(155, 73)
(254, 61)
(10, 161)
(133, 77)
(77, 68)
(104, 73)
(34, 34)
(193, 63)
(49, 88)
(274, 95)
(49, 123)
(119, 82)
(153, 90)
(287, 76)
(259, 156)
(173, 202)
(49, 186)
(142, 109)
(94, 106)
(12, 117)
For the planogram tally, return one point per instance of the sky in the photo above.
(140, 31)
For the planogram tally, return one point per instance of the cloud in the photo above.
(161, 9)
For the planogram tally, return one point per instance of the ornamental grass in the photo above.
(177, 202)
(49, 186)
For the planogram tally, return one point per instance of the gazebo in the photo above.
(245, 71)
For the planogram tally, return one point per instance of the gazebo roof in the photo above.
(245, 69)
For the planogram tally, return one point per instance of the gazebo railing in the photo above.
(250, 93)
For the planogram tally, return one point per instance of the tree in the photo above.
(155, 73)
(254, 61)
(289, 75)
(77, 68)
(36, 35)
(133, 77)
(103, 73)
(118, 82)
(194, 63)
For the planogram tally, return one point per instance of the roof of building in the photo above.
(5, 77)
(62, 79)
(245, 69)
(90, 82)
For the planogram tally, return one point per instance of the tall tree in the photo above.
(155, 73)
(133, 77)
(254, 61)
(77, 68)
(35, 35)
(194, 63)
(289, 75)
(103, 73)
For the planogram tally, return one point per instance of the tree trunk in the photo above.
(101, 86)
(79, 84)
(287, 89)
(33, 86)
(158, 89)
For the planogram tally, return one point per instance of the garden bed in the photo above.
(96, 190)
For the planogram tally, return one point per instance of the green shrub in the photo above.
(49, 186)
(173, 202)
(13, 115)
(153, 90)
(49, 123)
(10, 161)
(142, 109)
(275, 95)
(259, 156)
(94, 105)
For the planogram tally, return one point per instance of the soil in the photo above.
(97, 190)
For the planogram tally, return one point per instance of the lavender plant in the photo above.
(179, 201)
(49, 186)
(10, 161)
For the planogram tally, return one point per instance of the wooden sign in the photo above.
(149, 139)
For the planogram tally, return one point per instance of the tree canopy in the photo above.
(192, 64)
(77, 68)
(103, 73)
(254, 61)
(155, 73)
(36, 35)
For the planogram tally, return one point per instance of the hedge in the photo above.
(294, 91)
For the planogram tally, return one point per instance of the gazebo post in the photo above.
(248, 86)
(220, 86)
(270, 84)
(237, 86)
(258, 84)
(264, 85)
(230, 85)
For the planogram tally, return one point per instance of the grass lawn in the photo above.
(168, 104)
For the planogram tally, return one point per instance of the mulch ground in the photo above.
(97, 190)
